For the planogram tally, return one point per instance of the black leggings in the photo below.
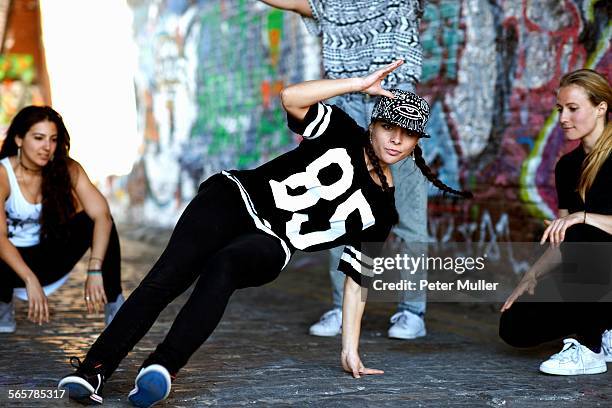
(53, 258)
(216, 241)
(528, 324)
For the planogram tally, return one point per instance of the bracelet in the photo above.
(96, 258)
(94, 272)
(584, 219)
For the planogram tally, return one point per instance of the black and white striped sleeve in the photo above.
(357, 265)
(315, 123)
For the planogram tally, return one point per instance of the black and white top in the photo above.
(22, 217)
(567, 177)
(361, 36)
(320, 195)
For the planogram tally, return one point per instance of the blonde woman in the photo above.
(583, 179)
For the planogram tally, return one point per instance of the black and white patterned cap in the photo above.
(406, 110)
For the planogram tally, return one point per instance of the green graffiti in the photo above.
(18, 67)
(441, 40)
(238, 109)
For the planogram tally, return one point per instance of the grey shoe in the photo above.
(7, 317)
(111, 309)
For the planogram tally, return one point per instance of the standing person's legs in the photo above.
(411, 204)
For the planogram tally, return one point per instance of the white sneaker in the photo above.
(7, 318)
(574, 359)
(329, 325)
(406, 326)
(606, 345)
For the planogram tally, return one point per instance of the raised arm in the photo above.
(296, 99)
(352, 312)
(299, 6)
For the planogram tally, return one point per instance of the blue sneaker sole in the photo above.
(81, 394)
(77, 392)
(151, 388)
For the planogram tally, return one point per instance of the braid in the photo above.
(420, 162)
(377, 169)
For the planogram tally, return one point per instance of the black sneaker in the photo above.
(85, 384)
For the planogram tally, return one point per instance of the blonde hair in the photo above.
(598, 90)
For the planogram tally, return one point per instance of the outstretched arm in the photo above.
(299, 6)
(546, 263)
(298, 98)
(352, 311)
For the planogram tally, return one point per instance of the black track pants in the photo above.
(215, 241)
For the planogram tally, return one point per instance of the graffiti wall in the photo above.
(23, 76)
(17, 86)
(211, 72)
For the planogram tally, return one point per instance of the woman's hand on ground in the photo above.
(371, 84)
(95, 297)
(555, 229)
(351, 363)
(38, 307)
(527, 284)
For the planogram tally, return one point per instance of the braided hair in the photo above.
(369, 149)
(420, 162)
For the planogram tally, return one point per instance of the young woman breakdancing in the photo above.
(243, 226)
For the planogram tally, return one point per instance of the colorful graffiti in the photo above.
(211, 73)
(493, 101)
(17, 88)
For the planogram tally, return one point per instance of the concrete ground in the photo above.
(262, 355)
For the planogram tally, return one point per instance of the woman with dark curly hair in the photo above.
(50, 214)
